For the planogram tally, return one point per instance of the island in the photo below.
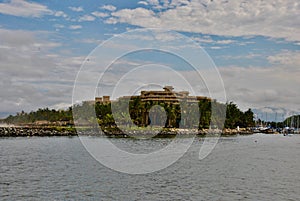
(144, 111)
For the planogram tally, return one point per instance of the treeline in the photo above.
(292, 121)
(235, 117)
(45, 114)
(143, 114)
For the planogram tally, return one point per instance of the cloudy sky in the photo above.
(255, 45)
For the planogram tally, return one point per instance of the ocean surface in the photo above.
(255, 167)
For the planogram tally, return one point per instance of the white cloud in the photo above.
(131, 15)
(86, 18)
(286, 58)
(111, 20)
(100, 14)
(244, 56)
(208, 39)
(76, 9)
(59, 26)
(32, 76)
(240, 43)
(153, 2)
(255, 87)
(23, 8)
(225, 42)
(109, 7)
(215, 47)
(75, 27)
(60, 14)
(203, 39)
(90, 41)
(143, 3)
(229, 18)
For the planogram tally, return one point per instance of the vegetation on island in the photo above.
(138, 115)
(292, 121)
(42, 116)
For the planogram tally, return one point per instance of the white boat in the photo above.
(287, 131)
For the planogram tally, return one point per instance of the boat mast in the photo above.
(276, 119)
(297, 122)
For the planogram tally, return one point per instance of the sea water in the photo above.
(254, 167)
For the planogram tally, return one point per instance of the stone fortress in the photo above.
(168, 95)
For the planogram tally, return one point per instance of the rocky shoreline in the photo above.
(34, 131)
(12, 131)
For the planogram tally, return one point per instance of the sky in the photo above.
(254, 44)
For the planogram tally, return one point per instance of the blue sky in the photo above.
(254, 44)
